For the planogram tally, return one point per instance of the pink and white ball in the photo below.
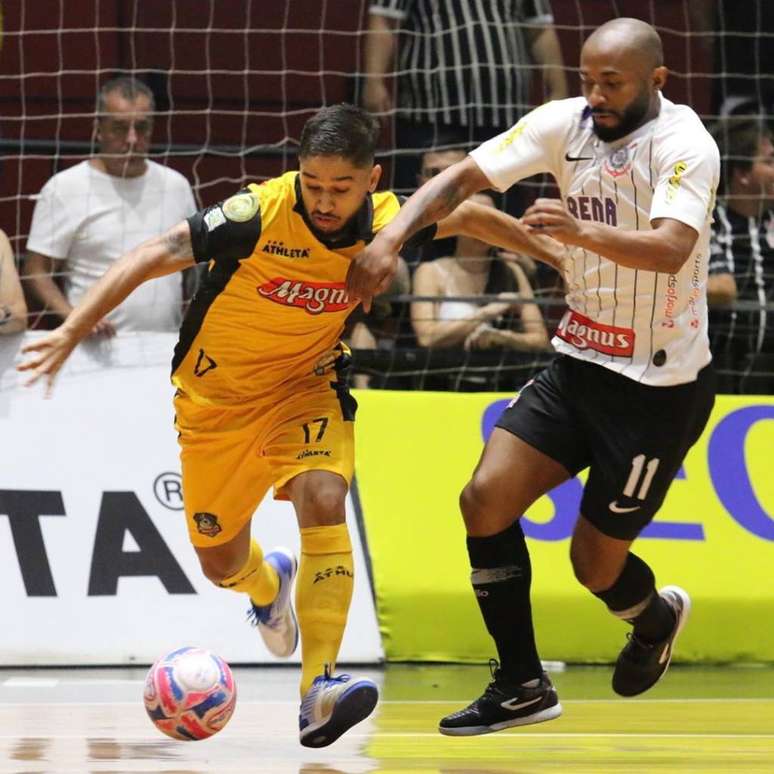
(190, 694)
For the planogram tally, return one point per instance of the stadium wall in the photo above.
(96, 568)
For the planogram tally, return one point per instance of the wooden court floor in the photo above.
(698, 720)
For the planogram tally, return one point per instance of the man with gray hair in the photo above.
(90, 214)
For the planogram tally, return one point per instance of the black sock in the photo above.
(501, 579)
(633, 598)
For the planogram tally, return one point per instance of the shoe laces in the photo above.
(329, 678)
(639, 651)
(494, 689)
(259, 614)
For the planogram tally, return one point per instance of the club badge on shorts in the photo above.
(207, 524)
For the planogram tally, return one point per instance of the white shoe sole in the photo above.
(681, 619)
(549, 713)
(266, 633)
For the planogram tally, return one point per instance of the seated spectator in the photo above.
(13, 310)
(436, 160)
(742, 255)
(472, 271)
(89, 215)
(379, 328)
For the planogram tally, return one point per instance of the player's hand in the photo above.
(552, 218)
(483, 337)
(337, 359)
(498, 308)
(370, 273)
(46, 357)
(104, 328)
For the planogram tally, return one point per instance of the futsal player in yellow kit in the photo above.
(261, 399)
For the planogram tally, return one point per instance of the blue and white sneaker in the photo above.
(277, 622)
(332, 706)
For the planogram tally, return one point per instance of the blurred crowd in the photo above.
(460, 315)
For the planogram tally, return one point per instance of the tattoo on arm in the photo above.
(435, 205)
(177, 241)
(5, 315)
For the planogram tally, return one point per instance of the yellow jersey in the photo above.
(274, 299)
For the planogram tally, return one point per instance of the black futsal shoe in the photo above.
(504, 705)
(641, 664)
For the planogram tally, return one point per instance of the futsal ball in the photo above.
(190, 694)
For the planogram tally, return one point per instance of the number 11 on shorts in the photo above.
(638, 463)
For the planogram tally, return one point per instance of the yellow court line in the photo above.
(570, 735)
(628, 702)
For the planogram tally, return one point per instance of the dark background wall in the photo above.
(239, 74)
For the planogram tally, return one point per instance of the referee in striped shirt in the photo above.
(463, 70)
(742, 258)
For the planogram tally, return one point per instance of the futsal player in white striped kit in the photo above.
(631, 389)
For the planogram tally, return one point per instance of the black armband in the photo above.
(228, 230)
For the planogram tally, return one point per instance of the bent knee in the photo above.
(591, 573)
(481, 510)
(326, 506)
(471, 500)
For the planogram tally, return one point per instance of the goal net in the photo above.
(235, 82)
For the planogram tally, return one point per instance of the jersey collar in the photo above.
(359, 229)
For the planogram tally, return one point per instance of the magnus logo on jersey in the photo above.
(584, 333)
(313, 297)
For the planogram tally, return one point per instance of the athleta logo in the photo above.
(278, 248)
(314, 297)
(329, 572)
(302, 455)
(584, 333)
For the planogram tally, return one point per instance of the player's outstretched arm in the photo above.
(501, 230)
(373, 267)
(156, 257)
(665, 248)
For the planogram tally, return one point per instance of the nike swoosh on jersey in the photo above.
(616, 508)
(568, 157)
(509, 705)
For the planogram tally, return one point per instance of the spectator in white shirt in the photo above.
(13, 310)
(89, 215)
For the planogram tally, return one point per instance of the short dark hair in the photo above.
(128, 87)
(341, 130)
(739, 139)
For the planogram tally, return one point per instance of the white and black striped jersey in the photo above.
(743, 246)
(649, 326)
(464, 62)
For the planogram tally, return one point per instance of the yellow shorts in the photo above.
(230, 456)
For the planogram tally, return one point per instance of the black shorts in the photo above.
(632, 436)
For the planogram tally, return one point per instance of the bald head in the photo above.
(630, 39)
(622, 73)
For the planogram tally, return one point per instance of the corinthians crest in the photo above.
(619, 162)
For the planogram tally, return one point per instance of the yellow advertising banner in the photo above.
(714, 535)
